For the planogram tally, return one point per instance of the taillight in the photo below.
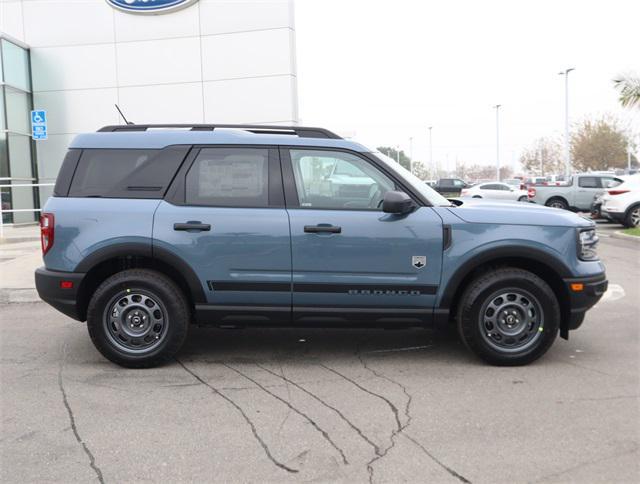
(531, 193)
(47, 226)
(617, 192)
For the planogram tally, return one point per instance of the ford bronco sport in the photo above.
(152, 228)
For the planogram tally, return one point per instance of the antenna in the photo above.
(125, 119)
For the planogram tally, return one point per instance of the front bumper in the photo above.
(50, 289)
(584, 293)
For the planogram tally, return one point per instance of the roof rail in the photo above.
(300, 131)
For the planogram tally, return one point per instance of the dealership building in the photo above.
(160, 61)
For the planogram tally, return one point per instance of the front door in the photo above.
(225, 218)
(351, 261)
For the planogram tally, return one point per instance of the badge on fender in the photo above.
(419, 261)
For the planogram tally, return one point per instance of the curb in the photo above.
(19, 295)
(16, 240)
(620, 235)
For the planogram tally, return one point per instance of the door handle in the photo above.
(192, 226)
(318, 229)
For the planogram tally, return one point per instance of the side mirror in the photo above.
(397, 202)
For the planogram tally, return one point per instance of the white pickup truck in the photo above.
(577, 194)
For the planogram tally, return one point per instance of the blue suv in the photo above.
(154, 227)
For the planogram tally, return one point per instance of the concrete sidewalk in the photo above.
(20, 255)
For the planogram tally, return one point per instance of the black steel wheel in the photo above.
(135, 322)
(508, 316)
(138, 318)
(511, 320)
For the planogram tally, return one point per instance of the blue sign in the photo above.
(149, 6)
(39, 124)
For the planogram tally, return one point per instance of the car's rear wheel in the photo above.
(523, 198)
(508, 316)
(557, 203)
(632, 219)
(138, 318)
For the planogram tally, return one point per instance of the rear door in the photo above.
(351, 261)
(224, 216)
(588, 187)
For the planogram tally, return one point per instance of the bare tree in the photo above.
(543, 157)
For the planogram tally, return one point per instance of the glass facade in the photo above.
(17, 151)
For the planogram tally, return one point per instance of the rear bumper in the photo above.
(48, 285)
(581, 300)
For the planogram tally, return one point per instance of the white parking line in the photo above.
(614, 292)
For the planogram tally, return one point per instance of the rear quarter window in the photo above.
(126, 173)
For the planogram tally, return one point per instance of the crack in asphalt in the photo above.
(329, 406)
(323, 432)
(400, 427)
(409, 418)
(393, 408)
(72, 419)
(435, 459)
(254, 430)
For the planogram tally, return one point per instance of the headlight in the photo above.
(587, 244)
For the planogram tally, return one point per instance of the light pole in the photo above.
(497, 108)
(431, 154)
(411, 154)
(567, 151)
(398, 154)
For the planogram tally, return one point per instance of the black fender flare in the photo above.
(145, 249)
(555, 264)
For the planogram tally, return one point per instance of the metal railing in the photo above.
(17, 210)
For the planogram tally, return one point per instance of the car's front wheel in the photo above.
(138, 318)
(508, 316)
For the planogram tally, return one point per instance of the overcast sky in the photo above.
(386, 70)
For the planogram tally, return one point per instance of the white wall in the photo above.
(215, 61)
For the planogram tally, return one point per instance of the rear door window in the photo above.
(126, 173)
(229, 177)
(589, 182)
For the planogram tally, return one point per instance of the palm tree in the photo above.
(629, 88)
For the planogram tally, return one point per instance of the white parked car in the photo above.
(495, 191)
(622, 202)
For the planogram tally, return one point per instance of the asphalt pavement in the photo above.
(325, 405)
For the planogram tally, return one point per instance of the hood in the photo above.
(516, 213)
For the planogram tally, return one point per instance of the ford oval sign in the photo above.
(149, 6)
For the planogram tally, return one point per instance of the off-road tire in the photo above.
(159, 290)
(482, 291)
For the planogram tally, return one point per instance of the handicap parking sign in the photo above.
(39, 125)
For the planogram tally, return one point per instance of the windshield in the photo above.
(416, 183)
